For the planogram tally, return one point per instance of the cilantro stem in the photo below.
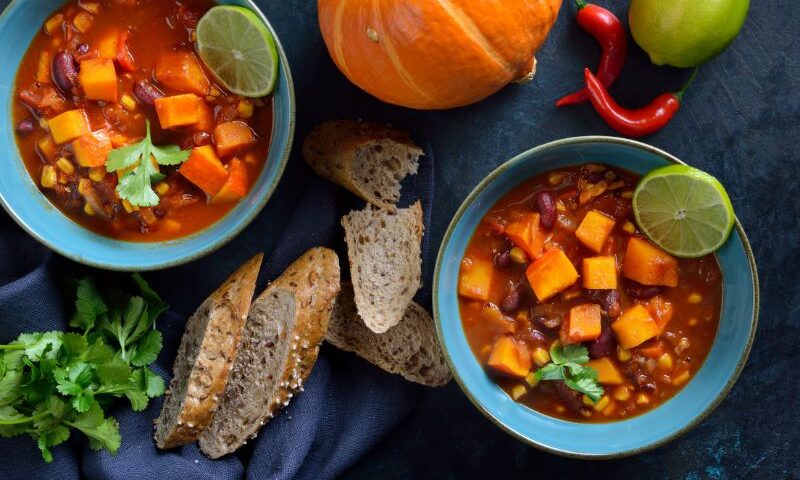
(20, 421)
(12, 347)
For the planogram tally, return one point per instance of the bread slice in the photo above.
(205, 358)
(367, 158)
(385, 263)
(279, 347)
(410, 348)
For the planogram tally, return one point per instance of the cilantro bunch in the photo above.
(136, 185)
(55, 382)
(569, 364)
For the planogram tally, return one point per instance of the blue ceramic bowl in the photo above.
(691, 405)
(21, 198)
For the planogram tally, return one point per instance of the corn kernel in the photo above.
(129, 207)
(555, 178)
(629, 227)
(587, 401)
(610, 408)
(250, 158)
(83, 21)
(586, 413)
(692, 322)
(560, 206)
(91, 7)
(665, 362)
(622, 354)
(642, 399)
(518, 255)
(53, 24)
(97, 174)
(162, 188)
(532, 380)
(695, 298)
(63, 179)
(623, 394)
(518, 391)
(601, 404)
(245, 109)
(523, 316)
(84, 186)
(194, 35)
(560, 409)
(88, 210)
(171, 226)
(540, 357)
(681, 379)
(65, 166)
(214, 91)
(128, 102)
(43, 124)
(627, 194)
(49, 176)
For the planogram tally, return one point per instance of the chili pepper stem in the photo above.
(679, 93)
(579, 4)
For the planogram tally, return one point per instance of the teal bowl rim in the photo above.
(247, 217)
(489, 179)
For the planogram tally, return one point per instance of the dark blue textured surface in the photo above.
(739, 122)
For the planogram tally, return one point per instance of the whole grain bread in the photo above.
(410, 348)
(385, 264)
(278, 349)
(205, 357)
(367, 158)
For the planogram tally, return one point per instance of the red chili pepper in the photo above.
(639, 122)
(609, 32)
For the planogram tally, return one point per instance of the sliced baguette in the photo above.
(385, 263)
(410, 348)
(369, 159)
(205, 358)
(279, 347)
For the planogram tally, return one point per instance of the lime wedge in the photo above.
(239, 49)
(685, 211)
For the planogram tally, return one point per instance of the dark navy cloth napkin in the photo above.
(348, 405)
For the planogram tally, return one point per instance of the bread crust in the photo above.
(227, 309)
(331, 149)
(314, 279)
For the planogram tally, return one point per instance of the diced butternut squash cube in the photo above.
(661, 310)
(497, 322)
(43, 68)
(551, 274)
(182, 71)
(92, 149)
(475, 280)
(178, 110)
(594, 230)
(47, 148)
(584, 323)
(107, 45)
(98, 78)
(526, 233)
(600, 273)
(510, 357)
(204, 169)
(236, 185)
(233, 137)
(69, 125)
(607, 372)
(635, 327)
(205, 119)
(649, 265)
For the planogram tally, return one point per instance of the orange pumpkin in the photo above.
(435, 54)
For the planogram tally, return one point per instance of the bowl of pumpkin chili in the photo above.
(101, 86)
(566, 326)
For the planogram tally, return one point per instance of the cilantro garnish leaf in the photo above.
(53, 382)
(568, 364)
(136, 185)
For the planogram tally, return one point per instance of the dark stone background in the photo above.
(739, 122)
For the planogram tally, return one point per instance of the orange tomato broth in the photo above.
(696, 303)
(150, 36)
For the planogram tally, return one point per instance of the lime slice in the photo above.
(239, 49)
(685, 211)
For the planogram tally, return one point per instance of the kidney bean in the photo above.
(592, 177)
(146, 92)
(65, 72)
(608, 300)
(569, 396)
(502, 259)
(546, 204)
(82, 48)
(512, 300)
(547, 323)
(201, 138)
(603, 346)
(26, 127)
(641, 292)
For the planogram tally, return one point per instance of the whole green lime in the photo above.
(686, 33)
